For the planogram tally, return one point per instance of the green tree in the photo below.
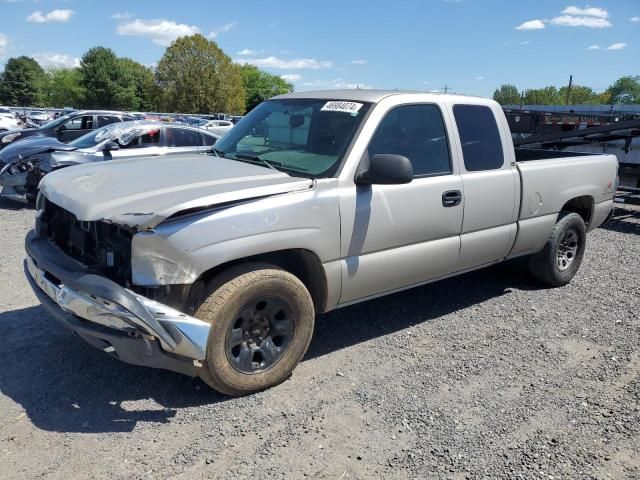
(625, 90)
(197, 77)
(21, 82)
(507, 95)
(100, 73)
(260, 85)
(579, 96)
(542, 96)
(135, 86)
(63, 88)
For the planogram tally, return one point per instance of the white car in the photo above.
(219, 127)
(9, 122)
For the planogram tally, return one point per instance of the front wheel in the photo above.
(262, 320)
(559, 260)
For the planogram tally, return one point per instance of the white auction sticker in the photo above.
(346, 107)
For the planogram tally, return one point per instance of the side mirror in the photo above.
(386, 169)
(111, 146)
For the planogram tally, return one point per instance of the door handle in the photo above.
(451, 198)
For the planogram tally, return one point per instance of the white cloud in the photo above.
(594, 47)
(359, 61)
(531, 25)
(4, 44)
(291, 77)
(586, 11)
(573, 21)
(524, 42)
(246, 52)
(56, 60)
(121, 16)
(617, 46)
(635, 19)
(479, 77)
(161, 31)
(335, 84)
(53, 16)
(590, 17)
(281, 63)
(222, 29)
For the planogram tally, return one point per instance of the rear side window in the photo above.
(418, 133)
(104, 120)
(183, 137)
(480, 137)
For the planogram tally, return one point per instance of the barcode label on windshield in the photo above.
(346, 107)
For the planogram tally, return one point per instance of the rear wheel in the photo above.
(559, 260)
(262, 321)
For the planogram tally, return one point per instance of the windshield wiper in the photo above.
(217, 152)
(257, 158)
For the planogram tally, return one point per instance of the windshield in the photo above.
(305, 137)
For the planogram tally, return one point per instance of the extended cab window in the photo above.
(480, 137)
(418, 133)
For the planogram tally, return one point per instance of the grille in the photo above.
(102, 247)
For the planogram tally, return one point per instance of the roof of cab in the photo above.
(363, 95)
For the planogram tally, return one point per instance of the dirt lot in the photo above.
(481, 376)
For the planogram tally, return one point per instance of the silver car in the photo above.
(23, 164)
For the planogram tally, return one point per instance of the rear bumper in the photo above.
(133, 328)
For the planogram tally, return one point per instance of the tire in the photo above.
(262, 320)
(557, 263)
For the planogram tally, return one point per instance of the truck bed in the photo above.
(528, 154)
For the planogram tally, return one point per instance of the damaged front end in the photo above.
(19, 180)
(81, 271)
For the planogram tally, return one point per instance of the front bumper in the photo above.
(132, 327)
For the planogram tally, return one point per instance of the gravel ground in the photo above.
(482, 376)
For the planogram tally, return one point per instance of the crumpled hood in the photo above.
(143, 192)
(22, 149)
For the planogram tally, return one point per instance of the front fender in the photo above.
(180, 251)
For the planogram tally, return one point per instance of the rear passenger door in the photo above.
(490, 182)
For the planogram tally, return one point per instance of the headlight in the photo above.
(11, 137)
(21, 167)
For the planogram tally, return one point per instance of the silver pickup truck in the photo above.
(217, 266)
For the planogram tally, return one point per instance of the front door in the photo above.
(75, 127)
(395, 236)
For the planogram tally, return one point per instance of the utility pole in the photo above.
(569, 89)
(446, 88)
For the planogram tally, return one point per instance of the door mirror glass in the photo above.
(386, 169)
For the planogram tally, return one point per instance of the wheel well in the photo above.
(302, 263)
(583, 206)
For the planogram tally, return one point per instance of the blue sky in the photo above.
(472, 46)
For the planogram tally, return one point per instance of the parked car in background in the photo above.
(67, 127)
(25, 163)
(37, 118)
(9, 122)
(220, 127)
